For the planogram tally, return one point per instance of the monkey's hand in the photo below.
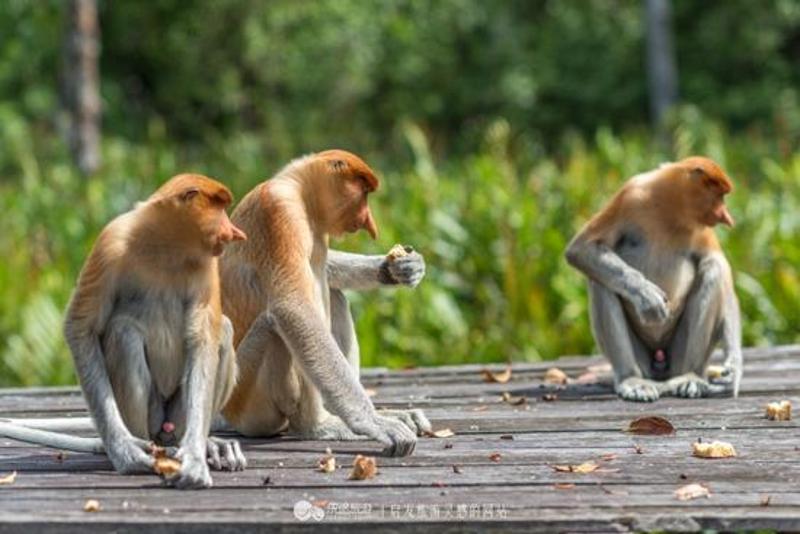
(129, 455)
(638, 389)
(728, 379)
(414, 419)
(194, 473)
(402, 266)
(399, 439)
(650, 303)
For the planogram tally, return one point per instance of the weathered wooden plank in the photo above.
(222, 518)
(632, 491)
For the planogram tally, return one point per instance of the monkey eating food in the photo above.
(283, 290)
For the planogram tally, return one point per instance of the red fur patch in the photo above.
(713, 175)
(354, 164)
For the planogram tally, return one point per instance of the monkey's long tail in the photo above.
(56, 440)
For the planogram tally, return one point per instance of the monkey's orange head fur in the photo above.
(197, 203)
(354, 180)
(350, 165)
(708, 185)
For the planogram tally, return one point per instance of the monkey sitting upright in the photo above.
(295, 340)
(660, 287)
(152, 349)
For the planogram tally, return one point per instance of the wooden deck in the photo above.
(495, 474)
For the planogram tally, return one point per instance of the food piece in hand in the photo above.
(398, 251)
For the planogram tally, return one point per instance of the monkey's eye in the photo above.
(363, 182)
(189, 194)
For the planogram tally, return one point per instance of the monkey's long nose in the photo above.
(725, 217)
(370, 225)
(229, 232)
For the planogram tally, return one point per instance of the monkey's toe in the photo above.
(638, 390)
(399, 438)
(693, 389)
(227, 454)
(414, 419)
(212, 455)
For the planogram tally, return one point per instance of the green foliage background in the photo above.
(498, 127)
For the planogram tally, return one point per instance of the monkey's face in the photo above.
(708, 187)
(355, 213)
(205, 211)
(351, 181)
(716, 212)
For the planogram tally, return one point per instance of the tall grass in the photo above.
(492, 226)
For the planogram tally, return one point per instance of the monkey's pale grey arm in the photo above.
(312, 345)
(359, 271)
(321, 359)
(200, 376)
(600, 263)
(124, 450)
(732, 340)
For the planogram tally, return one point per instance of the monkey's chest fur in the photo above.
(673, 271)
(161, 319)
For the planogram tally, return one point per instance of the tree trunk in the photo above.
(82, 83)
(662, 75)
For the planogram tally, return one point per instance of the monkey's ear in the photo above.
(712, 181)
(189, 194)
(338, 165)
(697, 173)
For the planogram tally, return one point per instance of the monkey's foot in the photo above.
(414, 419)
(638, 389)
(225, 454)
(692, 386)
(330, 429)
(399, 439)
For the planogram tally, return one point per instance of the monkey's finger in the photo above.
(213, 458)
(405, 441)
(241, 460)
(423, 425)
(230, 456)
(399, 448)
(399, 438)
(405, 418)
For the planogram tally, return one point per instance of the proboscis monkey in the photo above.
(152, 349)
(661, 290)
(282, 289)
